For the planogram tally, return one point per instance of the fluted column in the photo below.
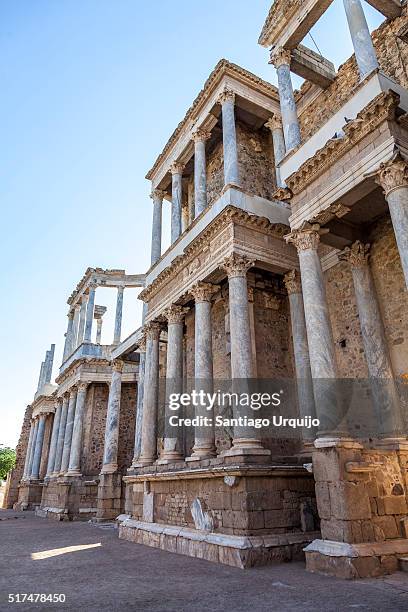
(68, 430)
(278, 141)
(139, 405)
(118, 315)
(360, 35)
(26, 472)
(151, 396)
(229, 138)
(54, 437)
(61, 435)
(176, 170)
(281, 58)
(68, 335)
(319, 332)
(110, 453)
(393, 178)
(200, 171)
(74, 468)
(383, 387)
(304, 381)
(157, 196)
(35, 471)
(82, 316)
(89, 313)
(204, 436)
(174, 382)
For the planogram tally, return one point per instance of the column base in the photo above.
(202, 452)
(169, 457)
(144, 461)
(246, 454)
(109, 468)
(72, 474)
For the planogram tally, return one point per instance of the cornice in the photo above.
(277, 19)
(88, 274)
(381, 109)
(228, 215)
(76, 365)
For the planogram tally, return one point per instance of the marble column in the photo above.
(74, 468)
(319, 332)
(98, 330)
(383, 387)
(200, 171)
(30, 462)
(118, 316)
(172, 449)
(229, 138)
(110, 453)
(393, 178)
(139, 405)
(68, 335)
(281, 58)
(204, 437)
(303, 372)
(82, 316)
(360, 35)
(278, 141)
(89, 313)
(54, 437)
(75, 327)
(61, 435)
(176, 170)
(68, 430)
(157, 196)
(26, 471)
(35, 470)
(148, 450)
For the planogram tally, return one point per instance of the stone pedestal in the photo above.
(110, 502)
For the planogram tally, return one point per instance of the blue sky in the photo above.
(91, 91)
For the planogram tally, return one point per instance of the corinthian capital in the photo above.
(142, 344)
(274, 123)
(226, 96)
(117, 365)
(306, 237)
(280, 57)
(82, 387)
(153, 330)
(175, 314)
(177, 168)
(202, 292)
(200, 135)
(357, 255)
(292, 282)
(157, 194)
(236, 265)
(393, 174)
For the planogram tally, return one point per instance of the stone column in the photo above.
(303, 372)
(75, 327)
(35, 470)
(281, 58)
(319, 332)
(118, 315)
(68, 335)
(68, 430)
(30, 462)
(89, 313)
(151, 396)
(74, 468)
(384, 391)
(82, 315)
(157, 196)
(275, 125)
(204, 437)
(176, 170)
(54, 437)
(26, 472)
(229, 138)
(98, 330)
(393, 178)
(61, 435)
(200, 171)
(172, 450)
(360, 35)
(110, 453)
(139, 406)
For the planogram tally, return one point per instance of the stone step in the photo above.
(403, 564)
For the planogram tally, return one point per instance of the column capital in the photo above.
(236, 265)
(280, 57)
(200, 135)
(306, 237)
(117, 365)
(175, 314)
(157, 194)
(202, 292)
(72, 391)
(82, 386)
(292, 282)
(153, 330)
(228, 95)
(71, 313)
(274, 123)
(357, 255)
(92, 286)
(177, 168)
(58, 402)
(393, 174)
(65, 396)
(142, 344)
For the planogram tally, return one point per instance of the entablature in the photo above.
(104, 278)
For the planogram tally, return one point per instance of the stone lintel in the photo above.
(389, 8)
(312, 67)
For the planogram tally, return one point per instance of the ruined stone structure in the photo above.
(288, 262)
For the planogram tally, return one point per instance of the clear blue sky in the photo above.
(90, 92)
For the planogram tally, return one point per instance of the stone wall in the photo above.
(127, 422)
(94, 428)
(11, 494)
